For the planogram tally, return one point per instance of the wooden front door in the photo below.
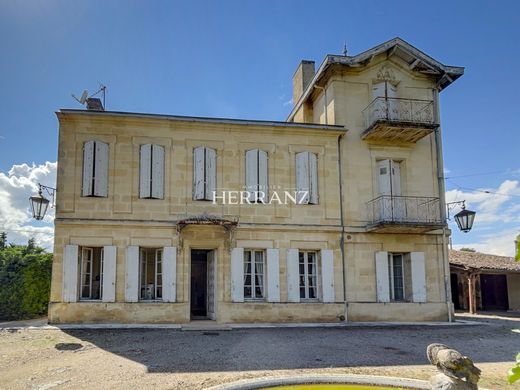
(198, 297)
(494, 292)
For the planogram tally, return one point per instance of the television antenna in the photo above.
(85, 96)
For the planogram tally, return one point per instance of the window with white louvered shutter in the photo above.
(257, 175)
(307, 177)
(204, 173)
(151, 172)
(95, 169)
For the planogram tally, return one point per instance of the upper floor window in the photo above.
(307, 177)
(150, 274)
(151, 172)
(308, 269)
(254, 274)
(204, 173)
(95, 169)
(389, 177)
(91, 273)
(256, 175)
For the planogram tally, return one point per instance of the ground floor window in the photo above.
(150, 274)
(308, 266)
(254, 274)
(91, 273)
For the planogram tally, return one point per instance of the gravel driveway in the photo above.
(162, 358)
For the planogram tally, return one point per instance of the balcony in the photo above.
(398, 120)
(404, 214)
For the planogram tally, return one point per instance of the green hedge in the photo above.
(25, 280)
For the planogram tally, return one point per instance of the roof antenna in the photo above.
(345, 50)
(88, 100)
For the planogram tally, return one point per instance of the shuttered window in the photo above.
(204, 173)
(307, 177)
(150, 274)
(308, 271)
(95, 169)
(254, 266)
(91, 273)
(256, 175)
(151, 172)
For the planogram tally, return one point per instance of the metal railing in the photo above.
(399, 110)
(404, 209)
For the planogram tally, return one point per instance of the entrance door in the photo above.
(454, 280)
(202, 301)
(494, 292)
(389, 179)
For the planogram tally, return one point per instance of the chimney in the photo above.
(302, 78)
(94, 104)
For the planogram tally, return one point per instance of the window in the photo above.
(396, 276)
(308, 275)
(150, 274)
(95, 169)
(256, 175)
(204, 173)
(91, 273)
(254, 274)
(307, 177)
(151, 172)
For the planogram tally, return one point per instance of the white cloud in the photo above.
(500, 243)
(16, 186)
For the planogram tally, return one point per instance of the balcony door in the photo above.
(389, 178)
(387, 109)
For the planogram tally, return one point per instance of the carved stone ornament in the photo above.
(385, 74)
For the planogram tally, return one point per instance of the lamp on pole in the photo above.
(463, 218)
(40, 203)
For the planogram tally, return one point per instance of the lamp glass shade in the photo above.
(39, 206)
(465, 220)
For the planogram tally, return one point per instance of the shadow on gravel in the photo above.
(165, 350)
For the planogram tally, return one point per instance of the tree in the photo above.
(517, 248)
(3, 240)
(468, 250)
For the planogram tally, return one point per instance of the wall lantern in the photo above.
(463, 218)
(39, 203)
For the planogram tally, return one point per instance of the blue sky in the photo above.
(236, 59)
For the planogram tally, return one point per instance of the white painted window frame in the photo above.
(158, 255)
(252, 258)
(306, 275)
(85, 250)
(391, 261)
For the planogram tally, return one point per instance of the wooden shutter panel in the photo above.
(210, 173)
(198, 173)
(109, 273)
(293, 276)
(273, 275)
(313, 178)
(327, 275)
(418, 277)
(132, 274)
(302, 176)
(88, 168)
(145, 170)
(382, 281)
(263, 174)
(70, 273)
(237, 274)
(101, 170)
(157, 172)
(169, 274)
(252, 173)
(383, 175)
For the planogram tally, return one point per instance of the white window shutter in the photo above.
(169, 274)
(418, 277)
(382, 278)
(210, 173)
(101, 170)
(109, 273)
(157, 172)
(70, 273)
(88, 168)
(383, 175)
(198, 173)
(263, 174)
(237, 274)
(145, 170)
(313, 178)
(327, 275)
(293, 276)
(132, 274)
(302, 176)
(273, 275)
(252, 173)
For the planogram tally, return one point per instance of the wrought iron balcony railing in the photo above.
(404, 209)
(411, 111)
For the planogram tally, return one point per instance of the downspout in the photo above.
(324, 103)
(342, 239)
(442, 204)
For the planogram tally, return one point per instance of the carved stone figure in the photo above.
(456, 372)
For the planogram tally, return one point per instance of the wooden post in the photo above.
(472, 294)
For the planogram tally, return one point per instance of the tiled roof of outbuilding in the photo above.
(483, 261)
